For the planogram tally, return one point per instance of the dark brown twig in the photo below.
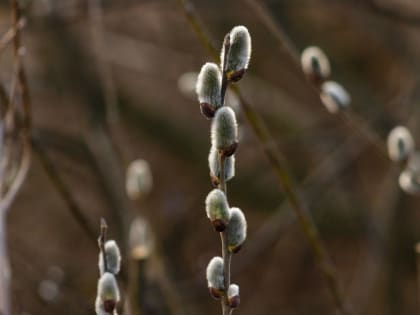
(76, 212)
(102, 241)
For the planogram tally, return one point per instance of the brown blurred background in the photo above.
(99, 104)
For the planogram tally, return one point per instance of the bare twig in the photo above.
(10, 34)
(406, 16)
(105, 74)
(278, 163)
(417, 252)
(286, 47)
(76, 212)
(102, 241)
(20, 176)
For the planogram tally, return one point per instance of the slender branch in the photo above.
(226, 255)
(278, 163)
(102, 241)
(286, 47)
(10, 34)
(226, 48)
(76, 212)
(105, 74)
(7, 199)
(406, 16)
(417, 252)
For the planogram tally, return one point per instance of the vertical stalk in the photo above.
(417, 251)
(4, 269)
(102, 241)
(226, 255)
(278, 162)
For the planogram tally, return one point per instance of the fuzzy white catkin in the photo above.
(113, 258)
(236, 230)
(209, 85)
(409, 179)
(229, 167)
(239, 53)
(224, 128)
(139, 180)
(400, 143)
(334, 96)
(408, 182)
(48, 290)
(141, 239)
(108, 288)
(187, 84)
(315, 63)
(214, 273)
(233, 290)
(217, 207)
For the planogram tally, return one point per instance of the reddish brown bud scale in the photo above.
(109, 305)
(207, 110)
(230, 150)
(234, 301)
(235, 76)
(215, 293)
(235, 249)
(219, 225)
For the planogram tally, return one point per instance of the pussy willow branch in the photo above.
(226, 254)
(277, 161)
(286, 47)
(102, 241)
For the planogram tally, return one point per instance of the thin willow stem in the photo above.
(102, 241)
(417, 252)
(278, 163)
(226, 255)
(10, 194)
(287, 48)
(59, 184)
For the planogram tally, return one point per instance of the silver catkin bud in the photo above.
(233, 296)
(229, 167)
(208, 89)
(239, 53)
(139, 179)
(141, 239)
(334, 96)
(315, 64)
(236, 230)
(215, 278)
(113, 258)
(400, 143)
(409, 179)
(224, 131)
(108, 293)
(217, 209)
(408, 182)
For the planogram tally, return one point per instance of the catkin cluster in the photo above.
(316, 66)
(401, 149)
(230, 222)
(108, 294)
